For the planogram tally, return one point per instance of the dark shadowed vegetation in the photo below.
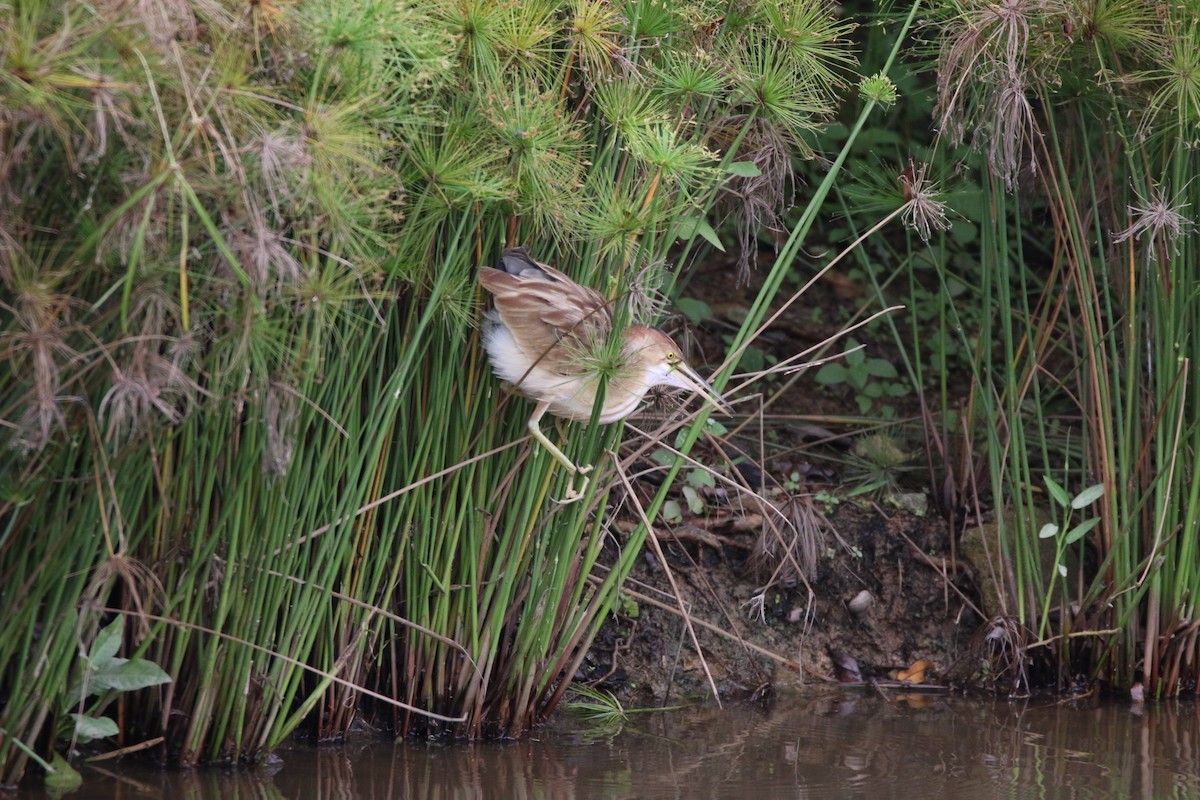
(1045, 162)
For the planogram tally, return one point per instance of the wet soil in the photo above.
(846, 570)
(884, 596)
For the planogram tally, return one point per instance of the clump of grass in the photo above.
(1084, 353)
(244, 401)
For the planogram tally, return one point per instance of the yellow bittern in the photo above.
(543, 337)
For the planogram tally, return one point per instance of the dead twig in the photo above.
(687, 618)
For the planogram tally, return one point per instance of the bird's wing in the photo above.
(543, 309)
(517, 261)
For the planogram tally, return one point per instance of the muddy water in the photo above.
(841, 745)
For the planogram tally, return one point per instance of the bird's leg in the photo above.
(536, 432)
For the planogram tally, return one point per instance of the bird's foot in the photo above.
(575, 495)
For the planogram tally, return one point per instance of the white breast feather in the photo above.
(514, 365)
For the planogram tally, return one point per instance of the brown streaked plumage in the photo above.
(539, 336)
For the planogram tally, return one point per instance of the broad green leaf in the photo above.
(858, 375)
(964, 232)
(672, 511)
(700, 477)
(831, 373)
(89, 728)
(695, 310)
(107, 643)
(64, 778)
(715, 427)
(696, 225)
(1048, 530)
(694, 500)
(1088, 496)
(745, 169)
(753, 359)
(98, 677)
(1081, 530)
(1057, 492)
(127, 675)
(662, 456)
(881, 369)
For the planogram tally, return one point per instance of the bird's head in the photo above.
(664, 365)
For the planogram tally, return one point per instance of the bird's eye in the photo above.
(672, 358)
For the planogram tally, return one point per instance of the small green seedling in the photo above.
(872, 379)
(1065, 534)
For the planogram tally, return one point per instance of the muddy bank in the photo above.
(884, 591)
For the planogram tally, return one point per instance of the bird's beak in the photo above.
(687, 378)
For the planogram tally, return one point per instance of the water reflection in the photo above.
(838, 745)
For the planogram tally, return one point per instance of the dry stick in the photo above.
(651, 440)
(687, 619)
(788, 368)
(124, 751)
(737, 354)
(374, 609)
(288, 659)
(707, 584)
(300, 396)
(1073, 635)
(740, 488)
(400, 492)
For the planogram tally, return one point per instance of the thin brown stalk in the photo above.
(313, 534)
(662, 558)
(124, 751)
(295, 662)
(736, 354)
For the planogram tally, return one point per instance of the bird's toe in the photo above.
(574, 495)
